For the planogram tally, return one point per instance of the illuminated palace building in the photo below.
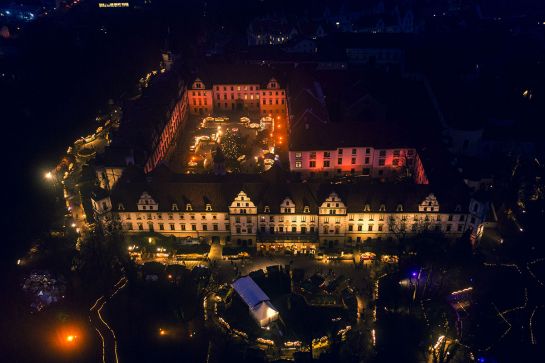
(247, 89)
(272, 211)
(384, 185)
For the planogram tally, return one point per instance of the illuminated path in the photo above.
(105, 332)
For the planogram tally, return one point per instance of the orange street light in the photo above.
(71, 338)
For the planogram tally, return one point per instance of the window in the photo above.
(306, 209)
(266, 209)
(313, 154)
(367, 208)
(326, 163)
(298, 154)
(368, 151)
(353, 161)
(396, 153)
(450, 218)
(327, 154)
(340, 152)
(381, 162)
(360, 228)
(298, 164)
(208, 207)
(188, 207)
(205, 227)
(380, 227)
(399, 208)
(370, 228)
(312, 164)
(354, 151)
(382, 208)
(339, 161)
(293, 229)
(182, 226)
(172, 226)
(382, 153)
(395, 162)
(193, 227)
(350, 228)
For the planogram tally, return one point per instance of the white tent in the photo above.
(258, 302)
(264, 313)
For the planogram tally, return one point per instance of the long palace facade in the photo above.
(270, 212)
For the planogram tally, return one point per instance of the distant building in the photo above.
(248, 88)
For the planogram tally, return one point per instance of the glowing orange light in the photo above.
(71, 338)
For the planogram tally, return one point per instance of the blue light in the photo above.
(414, 274)
(481, 360)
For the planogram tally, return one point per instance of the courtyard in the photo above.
(249, 143)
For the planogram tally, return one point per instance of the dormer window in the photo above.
(174, 206)
(367, 208)
(266, 209)
(399, 208)
(188, 207)
(306, 209)
(120, 206)
(208, 207)
(382, 208)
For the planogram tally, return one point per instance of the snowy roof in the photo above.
(249, 291)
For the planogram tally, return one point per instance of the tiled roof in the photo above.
(221, 73)
(264, 190)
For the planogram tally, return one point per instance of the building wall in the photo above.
(377, 163)
(251, 97)
(177, 120)
(331, 225)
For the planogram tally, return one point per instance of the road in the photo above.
(105, 332)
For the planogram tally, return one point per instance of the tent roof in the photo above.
(249, 292)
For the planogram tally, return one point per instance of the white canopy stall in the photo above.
(258, 302)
